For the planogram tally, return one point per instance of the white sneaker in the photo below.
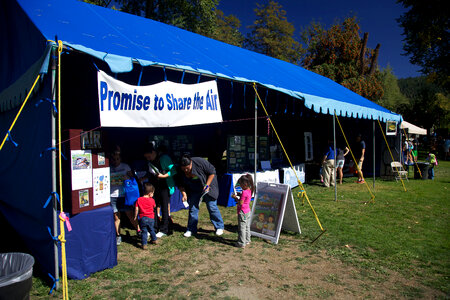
(160, 234)
(219, 232)
(187, 234)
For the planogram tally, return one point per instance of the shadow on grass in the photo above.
(206, 235)
(231, 228)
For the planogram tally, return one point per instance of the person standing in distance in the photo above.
(359, 156)
(199, 178)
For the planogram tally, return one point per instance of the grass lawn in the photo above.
(397, 247)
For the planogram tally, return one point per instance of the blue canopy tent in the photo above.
(122, 41)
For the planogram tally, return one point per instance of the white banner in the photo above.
(165, 104)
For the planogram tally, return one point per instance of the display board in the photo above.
(177, 145)
(273, 210)
(88, 180)
(241, 152)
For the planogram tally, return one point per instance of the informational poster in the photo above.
(81, 166)
(83, 198)
(269, 209)
(101, 158)
(241, 152)
(391, 128)
(101, 182)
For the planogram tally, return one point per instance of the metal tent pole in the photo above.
(54, 185)
(335, 156)
(400, 151)
(256, 136)
(373, 132)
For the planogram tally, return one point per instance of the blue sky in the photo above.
(378, 18)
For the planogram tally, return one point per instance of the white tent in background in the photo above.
(413, 129)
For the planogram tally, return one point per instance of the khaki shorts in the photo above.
(360, 163)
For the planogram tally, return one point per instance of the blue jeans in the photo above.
(430, 172)
(214, 212)
(147, 226)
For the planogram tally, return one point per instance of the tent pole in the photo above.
(373, 133)
(400, 151)
(335, 155)
(54, 186)
(256, 136)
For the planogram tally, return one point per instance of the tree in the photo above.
(199, 16)
(429, 103)
(194, 15)
(340, 54)
(272, 34)
(104, 3)
(227, 29)
(426, 31)
(393, 98)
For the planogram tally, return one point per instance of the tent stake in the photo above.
(323, 231)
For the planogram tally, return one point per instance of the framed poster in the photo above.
(101, 182)
(391, 128)
(83, 198)
(268, 210)
(81, 166)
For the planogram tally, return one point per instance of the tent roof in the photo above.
(413, 129)
(119, 39)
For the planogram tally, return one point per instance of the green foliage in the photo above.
(392, 98)
(199, 16)
(429, 103)
(426, 31)
(194, 15)
(227, 29)
(272, 34)
(334, 53)
(104, 3)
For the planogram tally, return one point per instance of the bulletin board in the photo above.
(241, 152)
(87, 167)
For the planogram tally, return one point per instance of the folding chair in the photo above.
(398, 171)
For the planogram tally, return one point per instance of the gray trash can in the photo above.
(16, 270)
(423, 166)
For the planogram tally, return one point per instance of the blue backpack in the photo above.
(131, 189)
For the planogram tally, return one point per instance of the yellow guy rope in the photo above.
(62, 237)
(372, 196)
(303, 192)
(415, 162)
(20, 110)
(392, 156)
